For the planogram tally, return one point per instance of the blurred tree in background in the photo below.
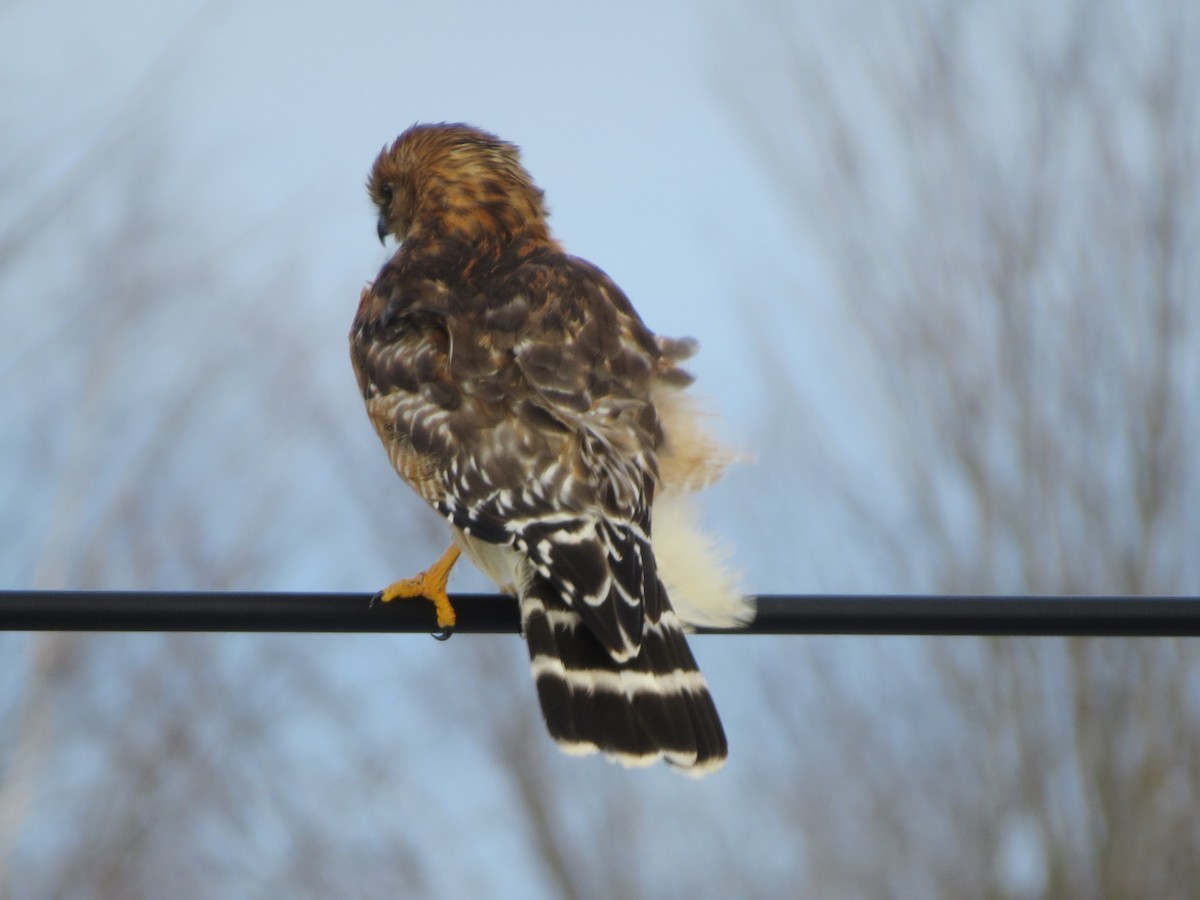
(1007, 199)
(1006, 203)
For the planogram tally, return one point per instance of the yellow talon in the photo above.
(431, 585)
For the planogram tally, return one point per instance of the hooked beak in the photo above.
(381, 229)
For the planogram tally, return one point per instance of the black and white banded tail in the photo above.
(653, 705)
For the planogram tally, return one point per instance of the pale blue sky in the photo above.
(255, 130)
(269, 115)
(275, 113)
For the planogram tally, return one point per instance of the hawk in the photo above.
(519, 393)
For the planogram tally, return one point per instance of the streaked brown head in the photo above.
(454, 180)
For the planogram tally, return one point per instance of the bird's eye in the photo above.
(385, 192)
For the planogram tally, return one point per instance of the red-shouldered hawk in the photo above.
(518, 392)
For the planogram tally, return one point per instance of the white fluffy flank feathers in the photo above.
(704, 591)
(693, 566)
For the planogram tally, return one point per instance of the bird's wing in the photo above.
(524, 416)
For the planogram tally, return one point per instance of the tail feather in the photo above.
(655, 705)
(711, 746)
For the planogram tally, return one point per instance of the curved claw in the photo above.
(445, 635)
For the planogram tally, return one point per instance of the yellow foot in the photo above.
(430, 584)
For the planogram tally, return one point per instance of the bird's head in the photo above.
(455, 180)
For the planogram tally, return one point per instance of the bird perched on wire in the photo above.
(518, 392)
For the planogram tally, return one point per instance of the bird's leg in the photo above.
(430, 584)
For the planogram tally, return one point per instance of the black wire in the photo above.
(495, 614)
